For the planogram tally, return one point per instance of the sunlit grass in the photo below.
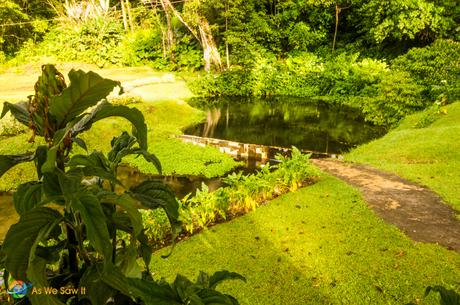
(319, 245)
(430, 155)
(17, 83)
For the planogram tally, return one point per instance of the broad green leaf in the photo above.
(224, 275)
(93, 217)
(113, 277)
(213, 297)
(153, 293)
(8, 161)
(18, 110)
(149, 158)
(27, 196)
(127, 204)
(448, 297)
(97, 291)
(105, 110)
(51, 186)
(94, 164)
(80, 143)
(37, 275)
(37, 272)
(40, 159)
(22, 236)
(126, 260)
(50, 164)
(86, 89)
(155, 194)
(123, 142)
(51, 254)
(145, 249)
(70, 183)
(185, 289)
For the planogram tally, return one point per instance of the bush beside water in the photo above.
(243, 194)
(384, 92)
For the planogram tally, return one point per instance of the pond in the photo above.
(283, 122)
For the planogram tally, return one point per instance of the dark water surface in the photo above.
(284, 122)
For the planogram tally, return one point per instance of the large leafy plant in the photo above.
(70, 216)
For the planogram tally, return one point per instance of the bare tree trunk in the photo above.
(169, 33)
(130, 16)
(123, 13)
(227, 53)
(210, 52)
(203, 35)
(338, 10)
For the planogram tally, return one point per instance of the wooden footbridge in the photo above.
(251, 152)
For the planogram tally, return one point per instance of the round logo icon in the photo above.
(18, 289)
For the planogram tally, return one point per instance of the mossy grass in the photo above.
(428, 155)
(319, 245)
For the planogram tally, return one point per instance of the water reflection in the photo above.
(284, 122)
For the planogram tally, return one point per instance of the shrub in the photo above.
(436, 67)
(242, 194)
(388, 101)
(72, 216)
(95, 41)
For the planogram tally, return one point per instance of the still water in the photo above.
(284, 122)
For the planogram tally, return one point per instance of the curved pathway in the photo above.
(414, 209)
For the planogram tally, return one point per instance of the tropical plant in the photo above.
(447, 296)
(70, 216)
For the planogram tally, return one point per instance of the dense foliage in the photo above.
(347, 51)
(71, 215)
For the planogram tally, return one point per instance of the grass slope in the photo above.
(430, 155)
(319, 245)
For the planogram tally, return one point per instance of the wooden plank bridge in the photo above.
(253, 152)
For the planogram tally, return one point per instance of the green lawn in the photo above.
(17, 83)
(319, 245)
(323, 245)
(430, 156)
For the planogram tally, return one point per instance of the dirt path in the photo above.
(414, 209)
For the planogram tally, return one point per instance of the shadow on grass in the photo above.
(320, 245)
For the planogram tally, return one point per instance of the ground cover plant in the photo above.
(423, 148)
(241, 194)
(69, 217)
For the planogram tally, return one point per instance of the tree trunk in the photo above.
(123, 13)
(203, 35)
(227, 53)
(130, 16)
(169, 32)
(337, 12)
